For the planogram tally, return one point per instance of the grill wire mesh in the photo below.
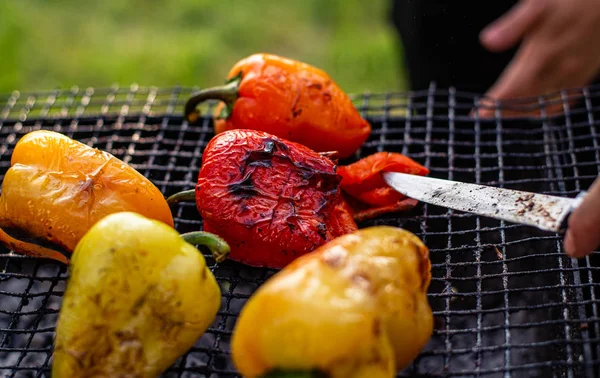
(507, 301)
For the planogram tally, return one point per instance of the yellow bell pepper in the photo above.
(355, 307)
(138, 297)
(57, 188)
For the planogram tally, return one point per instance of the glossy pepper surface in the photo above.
(273, 200)
(289, 99)
(363, 184)
(57, 188)
(137, 298)
(355, 307)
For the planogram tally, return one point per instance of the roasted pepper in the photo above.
(137, 298)
(57, 188)
(365, 188)
(289, 99)
(355, 307)
(273, 200)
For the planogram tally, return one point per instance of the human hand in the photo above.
(559, 40)
(583, 233)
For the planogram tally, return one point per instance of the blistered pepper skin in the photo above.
(295, 101)
(57, 188)
(363, 180)
(271, 200)
(138, 297)
(355, 307)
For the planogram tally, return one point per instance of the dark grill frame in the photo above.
(508, 302)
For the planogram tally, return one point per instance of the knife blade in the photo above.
(546, 212)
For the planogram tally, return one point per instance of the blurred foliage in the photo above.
(49, 44)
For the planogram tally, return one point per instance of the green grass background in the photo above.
(50, 44)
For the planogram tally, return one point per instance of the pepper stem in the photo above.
(185, 196)
(218, 247)
(227, 93)
(295, 374)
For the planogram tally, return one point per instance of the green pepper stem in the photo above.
(218, 247)
(227, 93)
(185, 196)
(295, 374)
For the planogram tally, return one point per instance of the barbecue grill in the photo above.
(508, 302)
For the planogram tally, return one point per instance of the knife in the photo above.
(549, 213)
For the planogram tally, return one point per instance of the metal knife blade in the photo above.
(539, 210)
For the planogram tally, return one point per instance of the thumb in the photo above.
(583, 235)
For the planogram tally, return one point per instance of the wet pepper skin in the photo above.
(273, 200)
(295, 101)
(363, 181)
(354, 308)
(138, 297)
(57, 188)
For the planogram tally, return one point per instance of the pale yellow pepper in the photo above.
(355, 307)
(138, 297)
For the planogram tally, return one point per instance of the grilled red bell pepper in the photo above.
(273, 200)
(364, 186)
(289, 99)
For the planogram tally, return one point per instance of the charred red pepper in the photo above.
(289, 99)
(273, 200)
(365, 188)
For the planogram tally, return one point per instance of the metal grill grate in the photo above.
(507, 301)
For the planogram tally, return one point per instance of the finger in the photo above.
(510, 28)
(519, 79)
(583, 234)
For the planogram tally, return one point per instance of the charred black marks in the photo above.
(27, 237)
(97, 300)
(322, 230)
(244, 207)
(278, 144)
(137, 305)
(324, 181)
(265, 163)
(244, 188)
(291, 216)
(376, 327)
(296, 112)
(291, 226)
(436, 193)
(269, 146)
(263, 157)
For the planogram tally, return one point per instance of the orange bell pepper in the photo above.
(57, 188)
(288, 99)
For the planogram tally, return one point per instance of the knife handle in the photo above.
(564, 225)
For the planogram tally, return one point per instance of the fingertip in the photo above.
(511, 27)
(572, 248)
(491, 39)
(569, 245)
(485, 113)
(488, 105)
